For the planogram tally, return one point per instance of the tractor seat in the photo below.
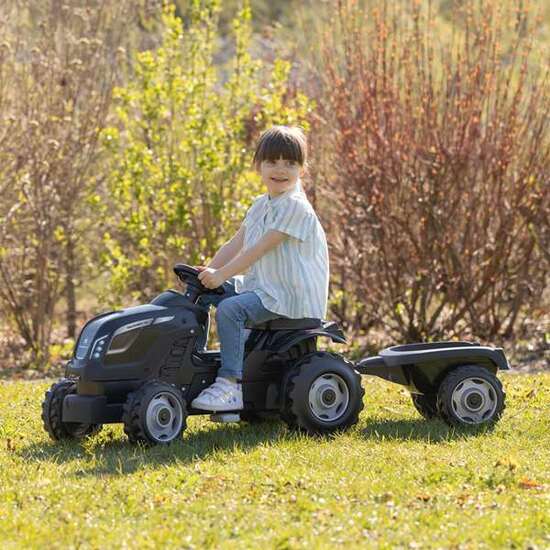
(285, 323)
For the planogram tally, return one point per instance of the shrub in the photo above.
(438, 162)
(180, 180)
(57, 68)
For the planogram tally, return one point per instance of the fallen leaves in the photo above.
(527, 483)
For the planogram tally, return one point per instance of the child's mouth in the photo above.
(279, 180)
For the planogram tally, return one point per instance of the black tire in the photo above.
(52, 409)
(470, 395)
(425, 404)
(326, 376)
(171, 415)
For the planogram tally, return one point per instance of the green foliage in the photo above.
(180, 179)
(394, 481)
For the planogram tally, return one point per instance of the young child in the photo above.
(281, 249)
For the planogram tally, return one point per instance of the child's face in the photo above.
(279, 175)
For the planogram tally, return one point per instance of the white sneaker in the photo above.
(222, 395)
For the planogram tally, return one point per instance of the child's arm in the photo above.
(229, 250)
(244, 260)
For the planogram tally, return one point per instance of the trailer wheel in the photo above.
(323, 394)
(425, 404)
(52, 409)
(470, 395)
(155, 414)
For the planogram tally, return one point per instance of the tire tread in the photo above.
(52, 407)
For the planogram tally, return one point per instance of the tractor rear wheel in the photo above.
(323, 394)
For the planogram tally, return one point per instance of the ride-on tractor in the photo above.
(142, 366)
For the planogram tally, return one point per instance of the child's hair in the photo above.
(288, 142)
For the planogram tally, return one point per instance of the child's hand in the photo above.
(211, 278)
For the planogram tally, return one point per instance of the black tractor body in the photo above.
(119, 352)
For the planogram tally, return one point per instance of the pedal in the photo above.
(225, 417)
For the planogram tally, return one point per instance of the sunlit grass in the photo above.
(393, 481)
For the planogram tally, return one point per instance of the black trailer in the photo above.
(454, 380)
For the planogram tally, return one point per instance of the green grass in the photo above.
(393, 481)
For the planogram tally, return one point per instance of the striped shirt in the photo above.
(292, 278)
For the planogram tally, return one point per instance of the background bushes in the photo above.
(180, 178)
(438, 169)
(126, 137)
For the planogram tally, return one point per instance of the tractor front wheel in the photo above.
(155, 414)
(52, 410)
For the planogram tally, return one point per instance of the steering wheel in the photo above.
(190, 276)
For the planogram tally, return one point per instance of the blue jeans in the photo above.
(233, 311)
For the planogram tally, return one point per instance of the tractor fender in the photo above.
(285, 344)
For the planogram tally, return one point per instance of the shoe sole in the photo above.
(210, 408)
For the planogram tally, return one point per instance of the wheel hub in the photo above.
(328, 397)
(474, 400)
(164, 417)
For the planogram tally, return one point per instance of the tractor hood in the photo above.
(103, 326)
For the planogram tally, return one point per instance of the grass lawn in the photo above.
(395, 480)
